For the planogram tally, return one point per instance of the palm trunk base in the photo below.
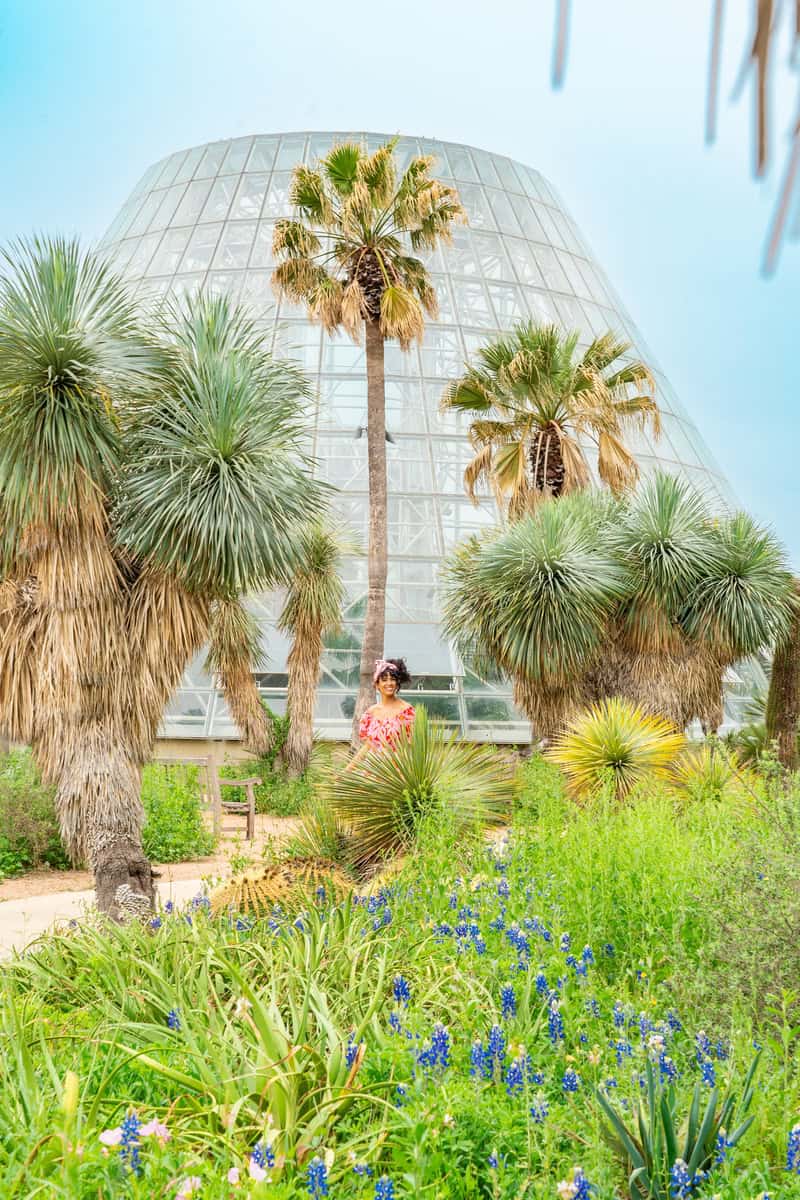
(124, 881)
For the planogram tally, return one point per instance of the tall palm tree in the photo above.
(346, 257)
(647, 598)
(139, 483)
(234, 652)
(533, 400)
(783, 698)
(313, 606)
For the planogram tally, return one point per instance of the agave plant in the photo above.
(387, 794)
(615, 738)
(706, 769)
(663, 1158)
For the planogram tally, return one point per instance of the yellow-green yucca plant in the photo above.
(707, 770)
(346, 256)
(614, 738)
(384, 797)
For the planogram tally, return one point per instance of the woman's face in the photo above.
(387, 686)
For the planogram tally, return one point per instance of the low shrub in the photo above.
(174, 829)
(29, 834)
(275, 794)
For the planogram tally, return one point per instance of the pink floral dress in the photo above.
(385, 731)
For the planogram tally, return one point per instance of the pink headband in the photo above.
(381, 665)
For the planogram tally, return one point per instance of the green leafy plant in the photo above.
(384, 796)
(614, 738)
(656, 1148)
(29, 835)
(174, 829)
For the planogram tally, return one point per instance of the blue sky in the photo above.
(92, 92)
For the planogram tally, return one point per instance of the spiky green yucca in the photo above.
(291, 884)
(613, 737)
(385, 795)
(532, 400)
(346, 256)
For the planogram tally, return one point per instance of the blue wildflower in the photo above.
(571, 1080)
(129, 1144)
(401, 990)
(362, 1169)
(169, 907)
(610, 1082)
(479, 945)
(440, 1044)
(587, 954)
(674, 1021)
(793, 1150)
(565, 943)
(242, 924)
(680, 1180)
(493, 1161)
(722, 1050)
(539, 1111)
(619, 1015)
(156, 923)
(400, 1095)
(541, 982)
(173, 1019)
(593, 1007)
(515, 1075)
(581, 1188)
(509, 1002)
(384, 1188)
(394, 1023)
(351, 1050)
(317, 1178)
(477, 1060)
(498, 924)
(503, 890)
(722, 1147)
(263, 1156)
(623, 1049)
(555, 1023)
(703, 1046)
(608, 950)
(667, 1069)
(201, 902)
(707, 1072)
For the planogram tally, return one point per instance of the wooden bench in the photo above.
(246, 807)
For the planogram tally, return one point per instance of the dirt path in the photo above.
(270, 832)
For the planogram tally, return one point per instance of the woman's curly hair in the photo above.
(397, 668)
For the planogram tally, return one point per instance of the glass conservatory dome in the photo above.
(204, 217)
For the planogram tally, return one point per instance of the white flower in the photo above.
(233, 1176)
(257, 1173)
(448, 1119)
(188, 1188)
(155, 1129)
(241, 1007)
(566, 1190)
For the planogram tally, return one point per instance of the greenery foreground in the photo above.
(470, 1028)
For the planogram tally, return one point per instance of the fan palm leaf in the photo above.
(538, 395)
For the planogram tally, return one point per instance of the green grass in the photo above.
(664, 892)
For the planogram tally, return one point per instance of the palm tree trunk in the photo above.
(377, 560)
(303, 666)
(249, 715)
(783, 698)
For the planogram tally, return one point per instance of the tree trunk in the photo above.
(783, 698)
(375, 616)
(303, 666)
(104, 779)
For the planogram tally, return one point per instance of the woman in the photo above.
(391, 718)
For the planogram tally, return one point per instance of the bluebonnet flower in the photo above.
(201, 902)
(384, 1188)
(453, 901)
(721, 1050)
(495, 1050)
(593, 1007)
(541, 982)
(707, 1072)
(263, 1156)
(498, 924)
(503, 890)
(441, 931)
(680, 1180)
(610, 1082)
(793, 1150)
(667, 1069)
(387, 916)
(494, 1160)
(587, 954)
(317, 1178)
(518, 939)
(722, 1147)
(515, 1075)
(400, 990)
(565, 943)
(571, 960)
(394, 1023)
(535, 1077)
(555, 1023)
(477, 1060)
(299, 926)
(129, 1142)
(583, 1038)
(320, 894)
(622, 1048)
(608, 950)
(169, 907)
(674, 1021)
(539, 1111)
(479, 945)
(571, 1080)
(242, 924)
(703, 1046)
(173, 1019)
(440, 1044)
(508, 1001)
(362, 1169)
(400, 1095)
(619, 1015)
(645, 1025)
(351, 1050)
(582, 1189)
(156, 923)
(546, 935)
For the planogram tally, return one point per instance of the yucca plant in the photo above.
(386, 795)
(783, 699)
(706, 770)
(141, 481)
(533, 400)
(662, 1157)
(313, 606)
(614, 738)
(234, 652)
(346, 256)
